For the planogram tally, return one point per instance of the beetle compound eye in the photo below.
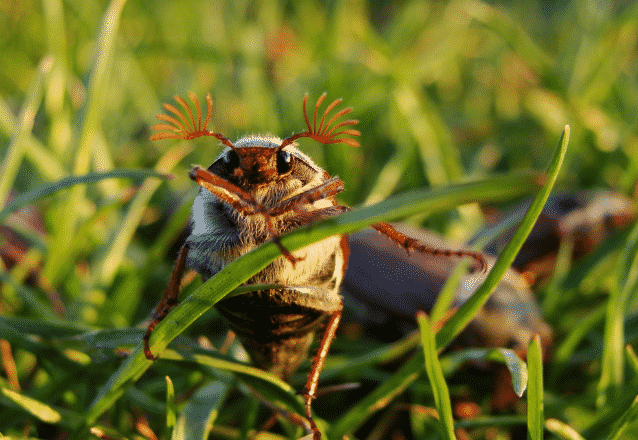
(284, 161)
(231, 161)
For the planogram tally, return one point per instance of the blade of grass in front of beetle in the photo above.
(410, 370)
(247, 265)
(435, 374)
(466, 312)
(448, 292)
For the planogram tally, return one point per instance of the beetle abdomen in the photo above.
(275, 332)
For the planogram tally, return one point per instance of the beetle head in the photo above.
(256, 160)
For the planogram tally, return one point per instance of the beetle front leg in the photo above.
(242, 201)
(168, 301)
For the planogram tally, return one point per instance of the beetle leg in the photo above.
(168, 301)
(242, 201)
(327, 189)
(310, 389)
(411, 244)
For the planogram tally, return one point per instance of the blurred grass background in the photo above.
(443, 91)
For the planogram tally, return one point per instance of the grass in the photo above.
(457, 102)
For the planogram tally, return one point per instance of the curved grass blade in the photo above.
(562, 430)
(535, 417)
(410, 370)
(240, 270)
(29, 197)
(435, 374)
(467, 311)
(275, 390)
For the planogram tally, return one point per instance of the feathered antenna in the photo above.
(325, 134)
(186, 128)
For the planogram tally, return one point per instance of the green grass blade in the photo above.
(438, 166)
(511, 32)
(382, 355)
(380, 397)
(55, 328)
(568, 346)
(171, 406)
(31, 196)
(467, 311)
(34, 151)
(198, 415)
(110, 263)
(15, 153)
(562, 430)
(632, 359)
(613, 358)
(98, 83)
(535, 405)
(31, 297)
(627, 425)
(435, 374)
(448, 293)
(42, 411)
(610, 415)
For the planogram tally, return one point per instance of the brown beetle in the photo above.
(259, 188)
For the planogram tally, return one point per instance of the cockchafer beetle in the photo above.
(257, 189)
